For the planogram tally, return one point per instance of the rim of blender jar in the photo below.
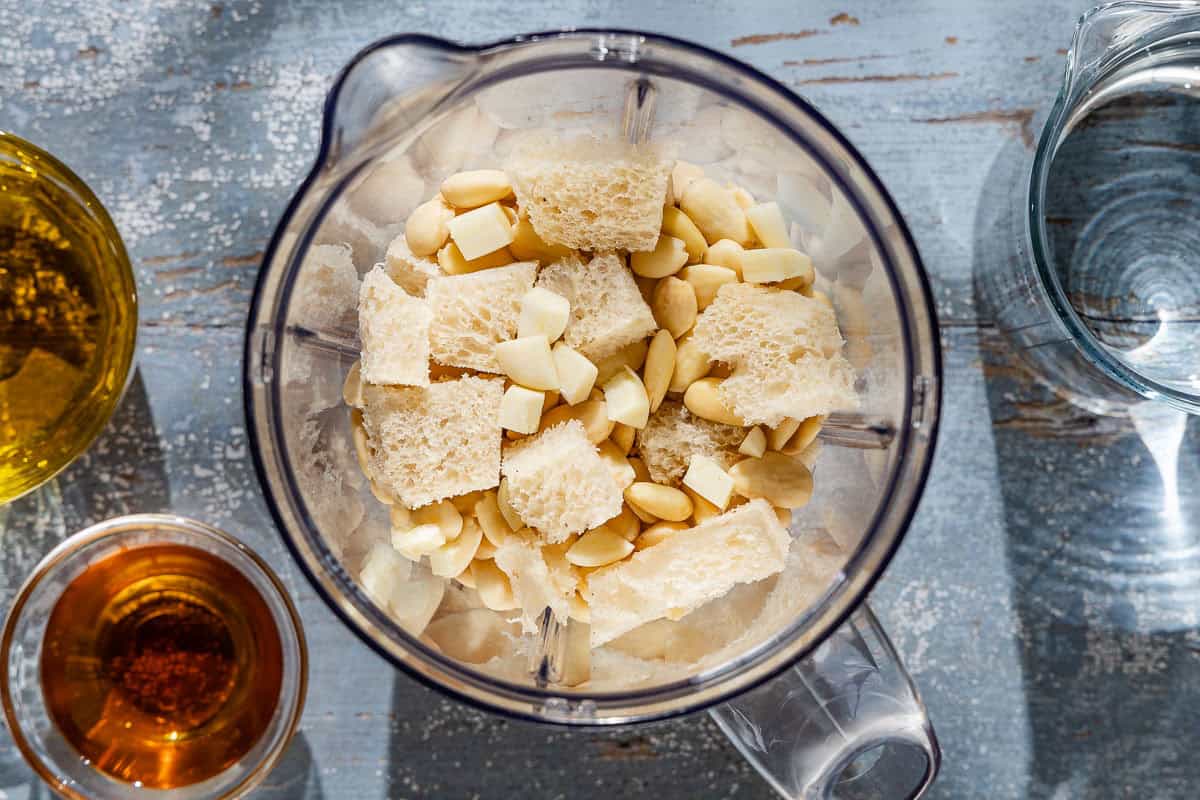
(68, 180)
(133, 523)
(915, 437)
(1053, 134)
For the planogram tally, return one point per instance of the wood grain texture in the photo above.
(1055, 661)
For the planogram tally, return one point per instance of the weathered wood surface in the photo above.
(1057, 656)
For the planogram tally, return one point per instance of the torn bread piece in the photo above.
(785, 350)
(474, 312)
(411, 272)
(430, 443)
(535, 582)
(558, 484)
(673, 435)
(591, 194)
(607, 310)
(393, 328)
(686, 570)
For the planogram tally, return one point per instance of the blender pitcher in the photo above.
(795, 669)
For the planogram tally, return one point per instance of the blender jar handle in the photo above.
(847, 717)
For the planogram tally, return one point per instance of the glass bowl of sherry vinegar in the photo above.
(152, 656)
(68, 316)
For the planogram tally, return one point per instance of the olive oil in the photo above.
(161, 665)
(68, 317)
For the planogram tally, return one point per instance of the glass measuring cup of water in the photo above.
(1104, 302)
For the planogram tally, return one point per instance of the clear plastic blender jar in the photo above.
(794, 668)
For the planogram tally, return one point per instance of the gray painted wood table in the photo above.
(1054, 662)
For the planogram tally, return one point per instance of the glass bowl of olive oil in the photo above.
(68, 316)
(152, 656)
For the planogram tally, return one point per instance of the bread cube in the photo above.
(590, 194)
(673, 435)
(473, 312)
(410, 272)
(326, 288)
(686, 570)
(558, 484)
(785, 349)
(430, 443)
(607, 310)
(394, 330)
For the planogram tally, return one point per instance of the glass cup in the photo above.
(36, 735)
(68, 317)
(1102, 301)
(796, 670)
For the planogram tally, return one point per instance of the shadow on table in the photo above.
(1104, 564)
(122, 472)
(295, 777)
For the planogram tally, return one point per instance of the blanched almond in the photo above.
(743, 198)
(668, 257)
(632, 355)
(782, 432)
(678, 224)
(493, 586)
(599, 547)
(465, 503)
(452, 558)
(702, 399)
(506, 510)
(495, 527)
(528, 246)
(702, 509)
(476, 187)
(775, 264)
(804, 436)
(486, 550)
(453, 262)
(683, 175)
(767, 222)
(706, 280)
(659, 368)
(715, 211)
(626, 524)
(593, 414)
(362, 446)
(691, 364)
(622, 436)
(726, 253)
(780, 480)
(427, 227)
(352, 386)
(755, 443)
(444, 515)
(658, 532)
(664, 502)
(674, 305)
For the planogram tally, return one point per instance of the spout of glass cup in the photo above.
(846, 718)
(1108, 33)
